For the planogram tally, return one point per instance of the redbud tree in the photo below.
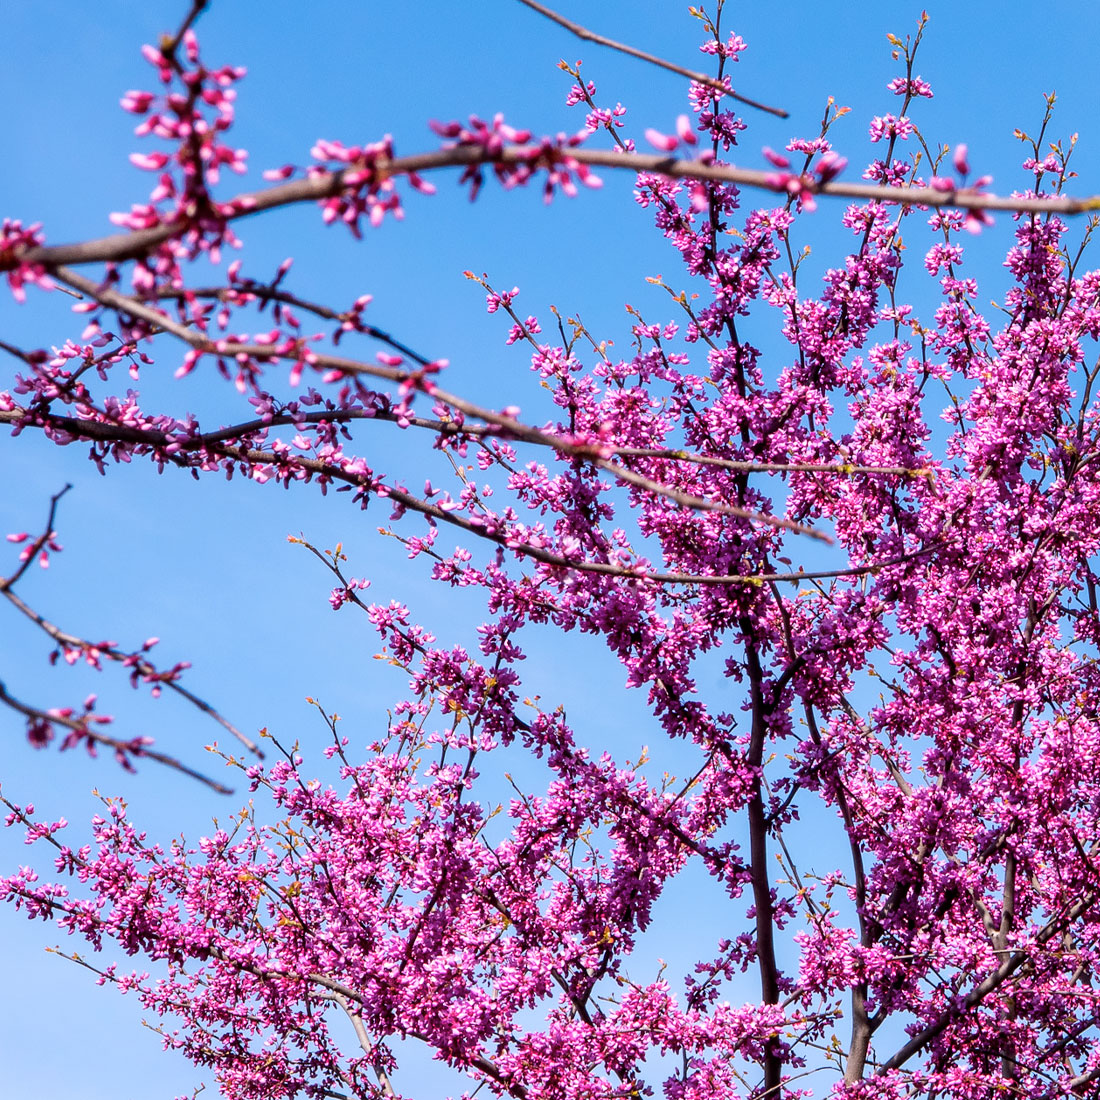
(846, 566)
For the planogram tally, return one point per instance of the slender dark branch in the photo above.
(860, 1043)
(481, 431)
(63, 638)
(170, 45)
(32, 551)
(123, 749)
(632, 51)
(18, 353)
(758, 849)
(273, 294)
(140, 665)
(768, 467)
(95, 429)
(514, 428)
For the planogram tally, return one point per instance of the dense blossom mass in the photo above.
(932, 699)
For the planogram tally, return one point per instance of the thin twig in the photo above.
(32, 551)
(632, 51)
(18, 353)
(169, 46)
(122, 749)
(133, 660)
(142, 666)
(248, 288)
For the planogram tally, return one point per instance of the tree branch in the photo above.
(983, 989)
(141, 665)
(118, 247)
(123, 749)
(631, 51)
(95, 429)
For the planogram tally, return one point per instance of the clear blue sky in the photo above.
(206, 566)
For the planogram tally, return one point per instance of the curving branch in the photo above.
(97, 430)
(140, 665)
(118, 247)
(31, 552)
(984, 988)
(248, 288)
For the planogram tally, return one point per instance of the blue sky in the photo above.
(206, 566)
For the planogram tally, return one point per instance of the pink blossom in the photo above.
(666, 143)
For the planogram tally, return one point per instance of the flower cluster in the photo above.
(193, 114)
(16, 239)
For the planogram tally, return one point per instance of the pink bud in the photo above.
(684, 130)
(137, 102)
(151, 162)
(962, 165)
(830, 166)
(665, 142)
(446, 129)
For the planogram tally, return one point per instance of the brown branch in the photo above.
(18, 353)
(515, 429)
(631, 51)
(63, 638)
(758, 848)
(139, 664)
(169, 46)
(32, 551)
(984, 988)
(248, 288)
(118, 247)
(95, 429)
(768, 467)
(482, 431)
(368, 1048)
(122, 748)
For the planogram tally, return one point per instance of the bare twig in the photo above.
(632, 51)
